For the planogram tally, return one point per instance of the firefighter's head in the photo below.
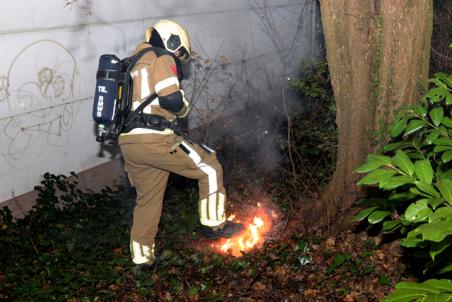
(171, 36)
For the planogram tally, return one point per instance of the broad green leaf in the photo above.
(445, 270)
(424, 170)
(445, 187)
(432, 136)
(440, 297)
(449, 99)
(437, 115)
(364, 213)
(446, 78)
(421, 110)
(395, 182)
(374, 162)
(441, 214)
(439, 247)
(435, 202)
(410, 242)
(403, 196)
(376, 176)
(391, 147)
(444, 285)
(442, 148)
(436, 94)
(417, 192)
(426, 188)
(447, 156)
(413, 126)
(418, 211)
(402, 161)
(404, 295)
(391, 226)
(378, 216)
(447, 121)
(398, 126)
(443, 141)
(418, 286)
(432, 231)
(371, 202)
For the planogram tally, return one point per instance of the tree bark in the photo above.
(378, 55)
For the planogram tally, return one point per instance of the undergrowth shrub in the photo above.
(314, 131)
(71, 244)
(413, 174)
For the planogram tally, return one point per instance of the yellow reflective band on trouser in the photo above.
(141, 253)
(211, 210)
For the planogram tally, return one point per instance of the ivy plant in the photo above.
(412, 175)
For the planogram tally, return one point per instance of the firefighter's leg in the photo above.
(199, 162)
(150, 184)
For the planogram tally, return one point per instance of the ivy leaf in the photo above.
(427, 188)
(374, 162)
(447, 156)
(445, 187)
(378, 216)
(413, 126)
(418, 211)
(437, 115)
(402, 161)
(364, 213)
(397, 127)
(424, 171)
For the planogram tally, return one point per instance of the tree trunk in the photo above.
(378, 55)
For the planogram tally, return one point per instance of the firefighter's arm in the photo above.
(171, 97)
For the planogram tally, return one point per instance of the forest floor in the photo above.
(81, 254)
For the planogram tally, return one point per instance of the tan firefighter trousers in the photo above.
(149, 158)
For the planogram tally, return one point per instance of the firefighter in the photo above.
(151, 148)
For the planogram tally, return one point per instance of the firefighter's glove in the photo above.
(228, 230)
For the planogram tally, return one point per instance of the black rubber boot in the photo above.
(145, 268)
(229, 230)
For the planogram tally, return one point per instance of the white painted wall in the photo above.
(49, 55)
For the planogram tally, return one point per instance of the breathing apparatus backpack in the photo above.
(113, 95)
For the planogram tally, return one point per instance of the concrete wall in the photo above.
(49, 55)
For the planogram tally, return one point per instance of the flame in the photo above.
(253, 236)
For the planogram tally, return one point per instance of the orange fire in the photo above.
(253, 236)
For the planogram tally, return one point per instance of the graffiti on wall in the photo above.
(36, 101)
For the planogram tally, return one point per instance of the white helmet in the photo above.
(173, 36)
